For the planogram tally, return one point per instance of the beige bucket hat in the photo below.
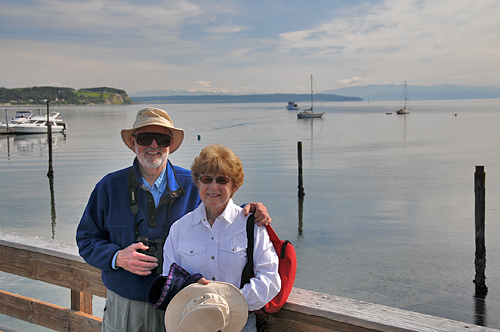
(218, 306)
(154, 116)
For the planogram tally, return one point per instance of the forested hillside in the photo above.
(63, 95)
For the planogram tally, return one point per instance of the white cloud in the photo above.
(405, 38)
(203, 84)
(228, 28)
(107, 17)
(353, 80)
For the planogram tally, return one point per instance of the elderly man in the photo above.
(128, 217)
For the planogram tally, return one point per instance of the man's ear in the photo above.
(132, 142)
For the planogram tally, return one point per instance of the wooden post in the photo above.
(50, 173)
(81, 301)
(480, 261)
(6, 121)
(299, 154)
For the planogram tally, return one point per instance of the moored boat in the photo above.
(37, 124)
(292, 106)
(404, 110)
(309, 113)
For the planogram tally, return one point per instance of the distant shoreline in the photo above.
(255, 98)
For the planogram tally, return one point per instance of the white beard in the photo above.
(150, 161)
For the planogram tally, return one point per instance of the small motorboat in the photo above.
(292, 106)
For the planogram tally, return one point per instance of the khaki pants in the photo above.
(124, 315)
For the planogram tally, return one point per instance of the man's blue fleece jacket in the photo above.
(108, 225)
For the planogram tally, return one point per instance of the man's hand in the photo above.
(260, 211)
(133, 261)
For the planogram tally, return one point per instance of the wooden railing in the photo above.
(58, 263)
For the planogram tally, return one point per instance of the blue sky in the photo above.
(253, 46)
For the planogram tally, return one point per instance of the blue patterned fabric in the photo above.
(164, 288)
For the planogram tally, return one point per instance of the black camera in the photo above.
(155, 250)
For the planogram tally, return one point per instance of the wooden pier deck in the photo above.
(58, 263)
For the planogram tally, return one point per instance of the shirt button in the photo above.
(191, 252)
(234, 249)
(213, 257)
(213, 278)
(212, 237)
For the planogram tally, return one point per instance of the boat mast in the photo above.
(311, 92)
(405, 94)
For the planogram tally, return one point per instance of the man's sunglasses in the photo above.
(145, 139)
(207, 179)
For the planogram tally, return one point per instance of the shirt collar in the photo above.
(229, 214)
(160, 183)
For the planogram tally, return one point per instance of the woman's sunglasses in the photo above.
(207, 179)
(145, 139)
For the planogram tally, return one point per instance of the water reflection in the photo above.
(404, 125)
(52, 206)
(301, 214)
(26, 146)
(8, 139)
(36, 144)
(309, 124)
(480, 316)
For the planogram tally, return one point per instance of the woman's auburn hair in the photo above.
(218, 159)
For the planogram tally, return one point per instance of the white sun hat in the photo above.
(218, 306)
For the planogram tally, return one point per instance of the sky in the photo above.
(243, 46)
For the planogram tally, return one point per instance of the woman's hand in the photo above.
(203, 281)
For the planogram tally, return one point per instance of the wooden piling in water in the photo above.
(50, 172)
(480, 204)
(299, 155)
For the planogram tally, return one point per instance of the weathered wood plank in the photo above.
(34, 311)
(291, 321)
(366, 315)
(46, 314)
(55, 270)
(82, 322)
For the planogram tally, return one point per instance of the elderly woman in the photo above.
(212, 241)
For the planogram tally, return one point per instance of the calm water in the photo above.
(388, 215)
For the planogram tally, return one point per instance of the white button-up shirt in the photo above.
(218, 252)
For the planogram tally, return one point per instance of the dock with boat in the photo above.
(24, 122)
(58, 263)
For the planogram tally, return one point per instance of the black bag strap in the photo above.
(248, 269)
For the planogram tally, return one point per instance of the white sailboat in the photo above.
(404, 110)
(309, 113)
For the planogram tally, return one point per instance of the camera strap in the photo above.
(132, 190)
(134, 202)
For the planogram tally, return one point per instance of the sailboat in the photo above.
(404, 110)
(309, 113)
